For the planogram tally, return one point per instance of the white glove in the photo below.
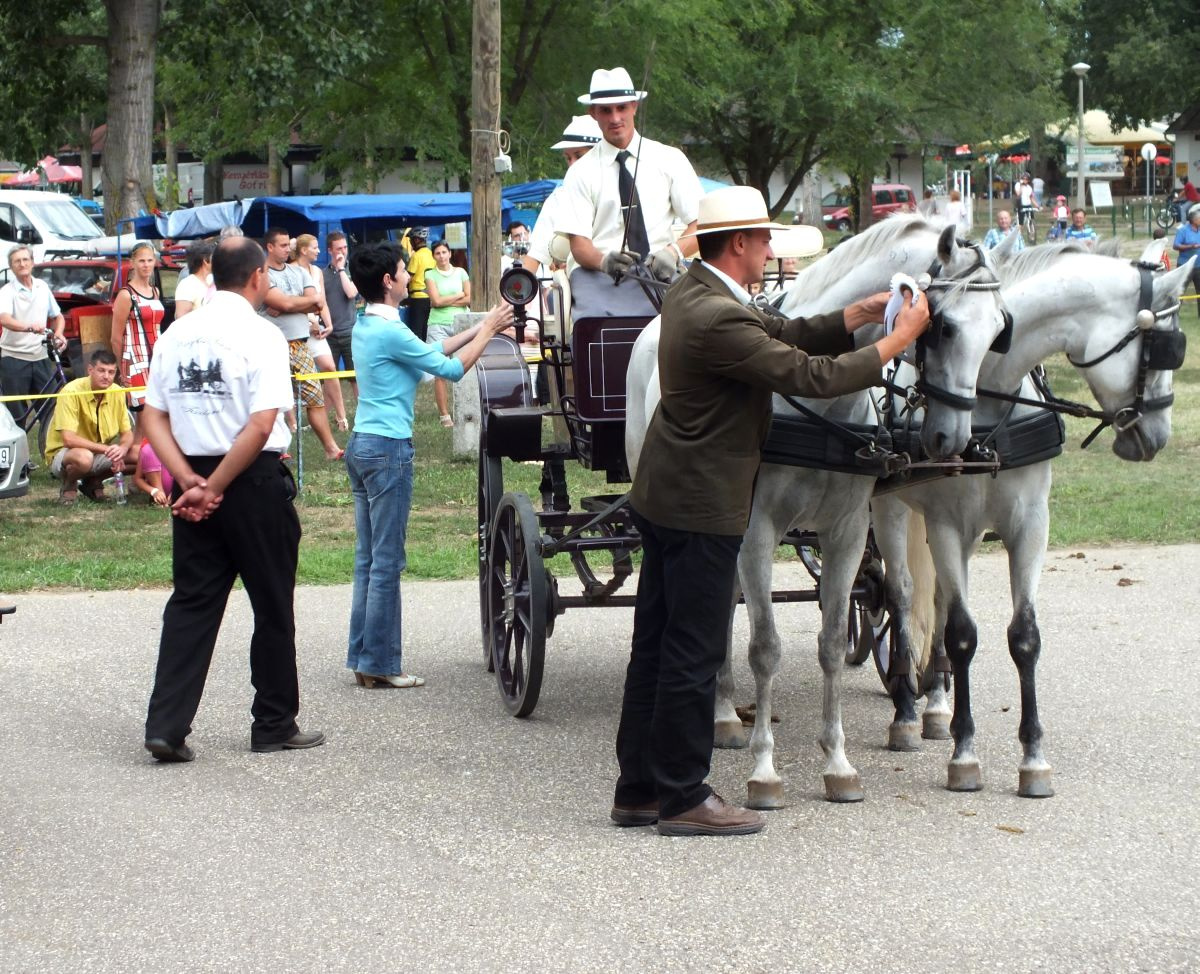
(617, 263)
(900, 281)
(663, 265)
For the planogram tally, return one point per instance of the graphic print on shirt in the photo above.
(200, 384)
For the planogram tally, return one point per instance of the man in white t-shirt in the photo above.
(219, 386)
(27, 311)
(628, 180)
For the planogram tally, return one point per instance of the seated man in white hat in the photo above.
(719, 359)
(577, 140)
(625, 196)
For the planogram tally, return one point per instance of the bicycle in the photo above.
(41, 411)
(1027, 223)
(1165, 214)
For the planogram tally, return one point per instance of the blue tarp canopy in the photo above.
(360, 215)
(534, 192)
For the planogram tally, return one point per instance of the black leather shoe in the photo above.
(713, 816)
(169, 753)
(297, 742)
(627, 816)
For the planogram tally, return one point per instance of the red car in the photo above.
(888, 198)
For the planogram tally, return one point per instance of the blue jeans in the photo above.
(381, 479)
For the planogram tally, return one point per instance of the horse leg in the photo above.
(935, 720)
(841, 553)
(728, 731)
(890, 518)
(962, 638)
(764, 787)
(1024, 646)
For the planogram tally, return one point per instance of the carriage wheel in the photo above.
(491, 489)
(516, 604)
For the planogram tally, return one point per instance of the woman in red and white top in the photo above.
(137, 318)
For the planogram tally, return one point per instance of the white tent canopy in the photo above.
(1097, 130)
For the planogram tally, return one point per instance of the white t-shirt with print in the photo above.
(213, 368)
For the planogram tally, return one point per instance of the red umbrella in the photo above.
(1163, 160)
(55, 172)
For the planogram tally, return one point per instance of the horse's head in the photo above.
(1130, 359)
(968, 320)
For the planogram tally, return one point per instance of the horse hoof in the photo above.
(843, 788)
(764, 795)
(729, 734)
(903, 737)
(1035, 783)
(963, 776)
(935, 726)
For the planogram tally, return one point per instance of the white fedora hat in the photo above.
(743, 208)
(611, 88)
(581, 133)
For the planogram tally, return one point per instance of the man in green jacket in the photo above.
(719, 362)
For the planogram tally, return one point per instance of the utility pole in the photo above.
(485, 146)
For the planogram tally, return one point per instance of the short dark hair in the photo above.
(333, 237)
(234, 262)
(442, 243)
(198, 252)
(370, 264)
(1079, 209)
(712, 245)
(515, 225)
(273, 232)
(102, 356)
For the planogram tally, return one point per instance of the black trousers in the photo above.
(417, 314)
(255, 533)
(680, 624)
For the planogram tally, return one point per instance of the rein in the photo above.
(1160, 351)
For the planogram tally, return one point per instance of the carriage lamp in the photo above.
(519, 287)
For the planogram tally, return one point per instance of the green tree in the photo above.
(1143, 57)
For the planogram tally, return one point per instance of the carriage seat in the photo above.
(605, 320)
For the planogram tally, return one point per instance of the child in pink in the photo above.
(152, 477)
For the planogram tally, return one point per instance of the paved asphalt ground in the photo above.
(435, 833)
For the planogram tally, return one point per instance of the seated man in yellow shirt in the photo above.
(90, 436)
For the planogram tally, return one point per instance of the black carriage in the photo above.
(576, 410)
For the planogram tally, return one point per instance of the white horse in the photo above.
(835, 505)
(1101, 312)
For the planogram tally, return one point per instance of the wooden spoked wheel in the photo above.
(515, 598)
(491, 489)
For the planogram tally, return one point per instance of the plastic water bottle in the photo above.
(119, 484)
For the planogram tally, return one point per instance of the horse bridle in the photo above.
(937, 323)
(1161, 351)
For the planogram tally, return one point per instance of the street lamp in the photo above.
(1081, 69)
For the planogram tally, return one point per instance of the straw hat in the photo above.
(743, 208)
(613, 87)
(581, 133)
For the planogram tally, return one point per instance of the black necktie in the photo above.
(631, 208)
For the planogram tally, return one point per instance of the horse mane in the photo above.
(1109, 248)
(1034, 260)
(825, 273)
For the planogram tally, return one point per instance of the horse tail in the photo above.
(924, 580)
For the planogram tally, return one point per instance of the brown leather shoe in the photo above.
(632, 815)
(713, 816)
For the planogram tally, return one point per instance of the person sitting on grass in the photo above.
(90, 436)
(151, 477)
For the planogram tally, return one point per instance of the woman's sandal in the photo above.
(401, 681)
(447, 421)
(67, 496)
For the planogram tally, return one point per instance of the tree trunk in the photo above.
(485, 184)
(370, 175)
(132, 36)
(214, 179)
(810, 199)
(171, 152)
(85, 156)
(274, 170)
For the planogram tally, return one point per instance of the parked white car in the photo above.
(14, 457)
(50, 224)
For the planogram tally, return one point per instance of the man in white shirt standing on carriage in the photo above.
(627, 179)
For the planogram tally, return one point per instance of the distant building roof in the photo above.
(1188, 121)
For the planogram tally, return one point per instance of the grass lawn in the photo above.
(1097, 500)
